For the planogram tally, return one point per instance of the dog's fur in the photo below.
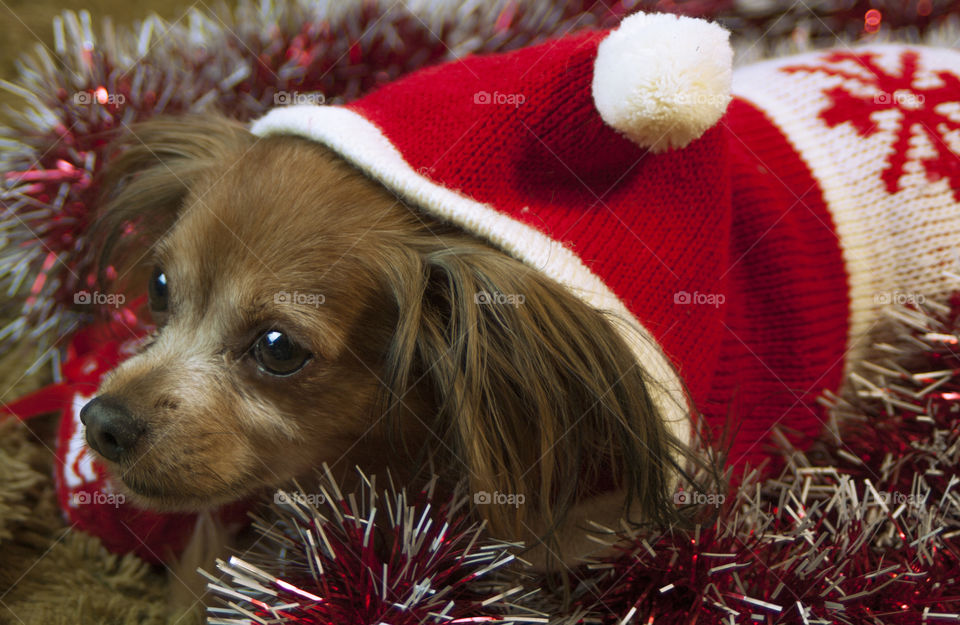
(407, 373)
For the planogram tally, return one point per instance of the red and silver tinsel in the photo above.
(863, 528)
(370, 556)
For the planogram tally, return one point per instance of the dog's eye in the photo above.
(277, 354)
(157, 291)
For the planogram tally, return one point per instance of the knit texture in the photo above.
(756, 257)
(879, 129)
(784, 321)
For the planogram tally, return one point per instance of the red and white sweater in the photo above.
(750, 237)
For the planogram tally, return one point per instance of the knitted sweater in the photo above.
(846, 199)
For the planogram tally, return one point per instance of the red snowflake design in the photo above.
(917, 107)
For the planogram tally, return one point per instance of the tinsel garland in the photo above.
(369, 557)
(862, 529)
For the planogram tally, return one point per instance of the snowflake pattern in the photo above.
(920, 110)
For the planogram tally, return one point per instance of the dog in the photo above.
(238, 391)
(330, 286)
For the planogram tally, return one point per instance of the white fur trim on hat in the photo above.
(663, 80)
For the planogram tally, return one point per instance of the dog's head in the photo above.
(306, 315)
(271, 321)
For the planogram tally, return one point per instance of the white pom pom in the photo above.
(663, 80)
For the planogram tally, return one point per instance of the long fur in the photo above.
(536, 394)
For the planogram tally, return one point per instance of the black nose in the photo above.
(111, 429)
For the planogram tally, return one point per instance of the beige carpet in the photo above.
(51, 575)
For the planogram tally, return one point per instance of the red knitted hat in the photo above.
(617, 163)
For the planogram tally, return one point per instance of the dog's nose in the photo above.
(111, 429)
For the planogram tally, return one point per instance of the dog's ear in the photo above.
(148, 176)
(537, 393)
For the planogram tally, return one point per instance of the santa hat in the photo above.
(525, 149)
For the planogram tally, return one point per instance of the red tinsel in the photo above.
(864, 528)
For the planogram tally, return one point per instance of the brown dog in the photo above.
(383, 359)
